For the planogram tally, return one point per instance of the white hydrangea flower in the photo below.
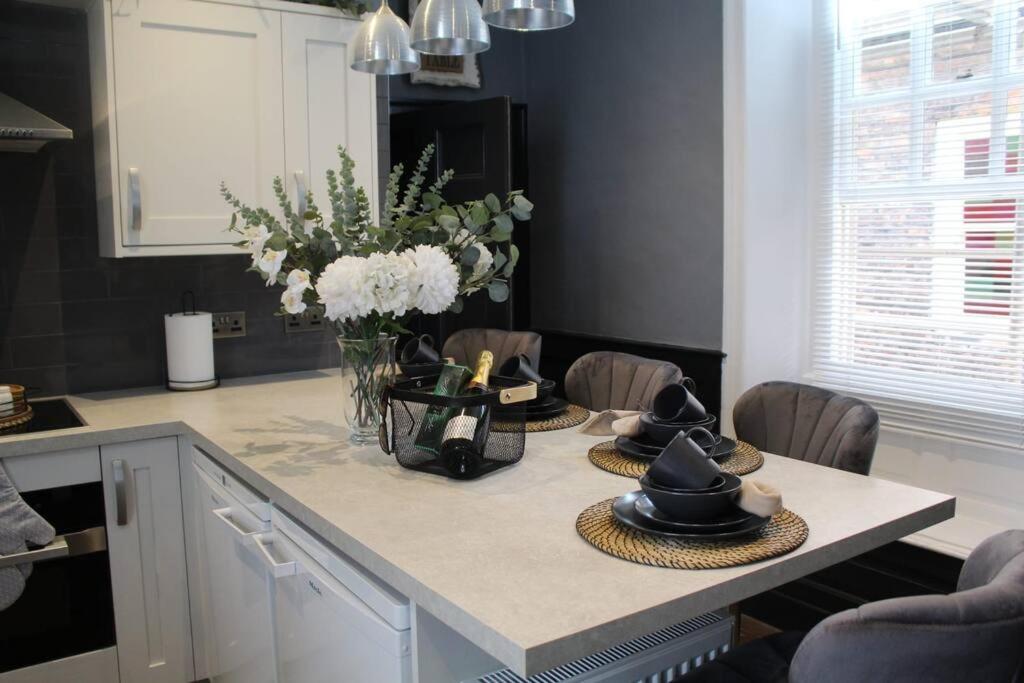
(435, 280)
(292, 301)
(270, 263)
(389, 276)
(256, 237)
(341, 289)
(298, 280)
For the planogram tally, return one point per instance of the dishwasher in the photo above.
(332, 620)
(237, 609)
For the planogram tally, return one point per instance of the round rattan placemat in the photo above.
(744, 460)
(16, 420)
(573, 416)
(597, 525)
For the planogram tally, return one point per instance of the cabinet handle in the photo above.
(120, 492)
(92, 540)
(224, 515)
(300, 188)
(277, 569)
(135, 199)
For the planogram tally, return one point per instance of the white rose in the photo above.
(434, 281)
(298, 280)
(482, 265)
(292, 301)
(270, 263)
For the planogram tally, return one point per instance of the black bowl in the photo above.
(544, 389)
(663, 432)
(693, 506)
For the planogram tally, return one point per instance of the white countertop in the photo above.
(497, 559)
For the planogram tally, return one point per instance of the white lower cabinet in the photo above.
(146, 543)
(236, 597)
(331, 622)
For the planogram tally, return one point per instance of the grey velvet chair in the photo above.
(620, 381)
(808, 423)
(974, 634)
(465, 346)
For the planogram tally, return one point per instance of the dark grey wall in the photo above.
(71, 321)
(625, 117)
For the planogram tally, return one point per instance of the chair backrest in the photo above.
(975, 634)
(808, 423)
(465, 346)
(620, 381)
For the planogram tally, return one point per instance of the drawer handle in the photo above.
(120, 492)
(277, 569)
(92, 540)
(300, 201)
(135, 199)
(224, 515)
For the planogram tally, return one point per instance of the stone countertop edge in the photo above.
(525, 659)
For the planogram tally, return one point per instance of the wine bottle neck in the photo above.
(482, 375)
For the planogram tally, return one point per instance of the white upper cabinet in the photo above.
(189, 93)
(316, 69)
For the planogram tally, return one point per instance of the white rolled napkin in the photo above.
(759, 498)
(603, 423)
(5, 394)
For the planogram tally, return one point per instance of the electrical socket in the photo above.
(230, 324)
(306, 322)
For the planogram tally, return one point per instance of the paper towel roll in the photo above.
(189, 351)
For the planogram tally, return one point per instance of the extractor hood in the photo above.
(23, 129)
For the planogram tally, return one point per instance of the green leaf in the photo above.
(310, 215)
(522, 203)
(499, 235)
(499, 260)
(449, 223)
(498, 291)
(513, 255)
(277, 242)
(479, 214)
(456, 306)
(470, 256)
(492, 203)
(503, 221)
(431, 201)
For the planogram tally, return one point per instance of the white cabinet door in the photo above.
(198, 99)
(326, 104)
(147, 561)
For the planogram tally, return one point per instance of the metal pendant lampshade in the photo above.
(529, 15)
(381, 45)
(449, 27)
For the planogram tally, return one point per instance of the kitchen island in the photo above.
(497, 560)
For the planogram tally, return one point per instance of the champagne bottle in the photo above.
(465, 435)
(450, 382)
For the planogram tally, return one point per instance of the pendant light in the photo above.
(529, 15)
(449, 27)
(381, 45)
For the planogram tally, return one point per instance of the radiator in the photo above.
(657, 657)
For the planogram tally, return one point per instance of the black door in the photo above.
(483, 142)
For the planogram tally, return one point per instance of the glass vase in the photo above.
(367, 367)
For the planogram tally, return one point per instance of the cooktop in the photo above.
(47, 415)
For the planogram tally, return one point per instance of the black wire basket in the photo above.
(405, 404)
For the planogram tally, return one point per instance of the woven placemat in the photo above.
(573, 416)
(744, 460)
(597, 525)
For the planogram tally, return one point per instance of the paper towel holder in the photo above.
(189, 297)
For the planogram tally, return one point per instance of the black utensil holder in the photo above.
(404, 406)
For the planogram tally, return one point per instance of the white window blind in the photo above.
(919, 297)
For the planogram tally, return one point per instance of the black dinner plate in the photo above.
(552, 407)
(724, 447)
(624, 510)
(644, 448)
(734, 520)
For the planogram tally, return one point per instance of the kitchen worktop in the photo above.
(496, 559)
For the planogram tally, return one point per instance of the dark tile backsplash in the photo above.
(71, 321)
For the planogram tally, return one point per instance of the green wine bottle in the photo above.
(450, 383)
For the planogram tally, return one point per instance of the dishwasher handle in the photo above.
(276, 569)
(92, 540)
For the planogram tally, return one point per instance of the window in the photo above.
(919, 266)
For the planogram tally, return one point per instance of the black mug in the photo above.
(420, 350)
(683, 464)
(519, 367)
(677, 403)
